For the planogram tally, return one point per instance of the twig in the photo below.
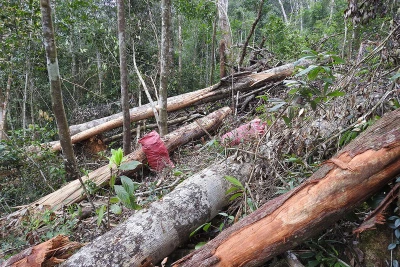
(159, 188)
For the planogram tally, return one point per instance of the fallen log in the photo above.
(152, 234)
(342, 183)
(241, 82)
(73, 192)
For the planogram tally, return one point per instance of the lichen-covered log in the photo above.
(341, 184)
(152, 234)
(73, 192)
(241, 82)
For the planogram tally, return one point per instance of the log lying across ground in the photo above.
(73, 192)
(152, 234)
(342, 183)
(241, 82)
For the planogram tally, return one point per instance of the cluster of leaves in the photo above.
(125, 193)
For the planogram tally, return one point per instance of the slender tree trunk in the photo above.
(25, 95)
(99, 70)
(331, 13)
(180, 48)
(283, 12)
(55, 91)
(226, 41)
(213, 51)
(4, 97)
(165, 63)
(253, 27)
(126, 139)
(74, 71)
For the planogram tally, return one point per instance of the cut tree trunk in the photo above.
(73, 192)
(152, 234)
(341, 184)
(220, 90)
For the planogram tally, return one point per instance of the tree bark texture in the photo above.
(152, 234)
(342, 183)
(73, 192)
(165, 63)
(123, 69)
(4, 98)
(55, 91)
(226, 40)
(241, 82)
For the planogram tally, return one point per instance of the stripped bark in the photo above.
(152, 234)
(341, 184)
(72, 192)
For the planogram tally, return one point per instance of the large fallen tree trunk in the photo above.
(241, 82)
(73, 192)
(341, 184)
(152, 234)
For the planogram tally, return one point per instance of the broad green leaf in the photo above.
(293, 91)
(177, 173)
(392, 246)
(336, 93)
(197, 229)
(128, 184)
(276, 107)
(116, 209)
(136, 206)
(128, 166)
(313, 73)
(286, 120)
(223, 214)
(397, 223)
(122, 194)
(234, 181)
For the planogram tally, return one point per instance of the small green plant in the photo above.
(238, 190)
(322, 253)
(125, 193)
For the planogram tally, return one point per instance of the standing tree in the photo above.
(55, 91)
(126, 139)
(165, 62)
(226, 40)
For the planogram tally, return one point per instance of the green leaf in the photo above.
(128, 166)
(286, 120)
(136, 206)
(122, 195)
(112, 180)
(232, 189)
(100, 214)
(199, 245)
(128, 184)
(235, 196)
(337, 60)
(307, 70)
(397, 233)
(206, 227)
(223, 214)
(397, 223)
(177, 173)
(197, 229)
(313, 73)
(392, 246)
(276, 107)
(293, 91)
(234, 181)
(336, 93)
(114, 200)
(116, 209)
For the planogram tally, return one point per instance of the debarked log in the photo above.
(152, 234)
(342, 183)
